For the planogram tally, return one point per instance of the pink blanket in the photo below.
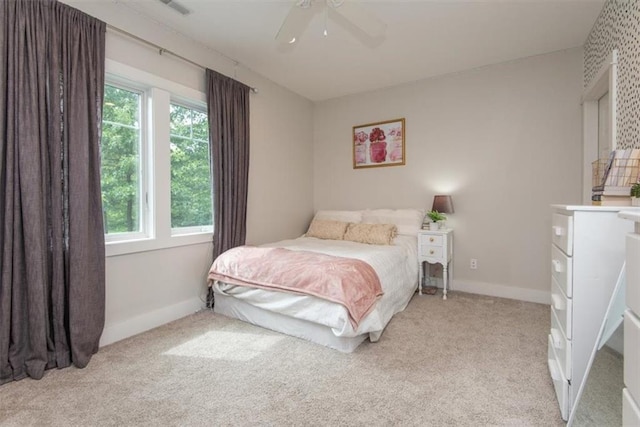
(350, 282)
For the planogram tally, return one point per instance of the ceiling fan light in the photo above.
(293, 25)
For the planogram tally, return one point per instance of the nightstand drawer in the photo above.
(431, 240)
(561, 270)
(430, 251)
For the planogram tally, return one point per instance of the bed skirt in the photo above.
(319, 334)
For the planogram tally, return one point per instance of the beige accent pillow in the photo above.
(327, 229)
(373, 234)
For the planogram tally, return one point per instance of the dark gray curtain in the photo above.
(228, 110)
(51, 234)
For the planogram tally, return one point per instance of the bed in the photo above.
(315, 318)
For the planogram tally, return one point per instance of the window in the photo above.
(155, 168)
(191, 188)
(121, 163)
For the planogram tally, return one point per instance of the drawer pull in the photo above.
(558, 231)
(558, 302)
(431, 252)
(557, 266)
(431, 239)
(553, 370)
(556, 338)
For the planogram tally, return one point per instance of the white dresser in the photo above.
(631, 392)
(587, 253)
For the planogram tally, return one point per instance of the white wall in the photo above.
(503, 140)
(146, 289)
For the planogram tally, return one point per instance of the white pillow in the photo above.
(407, 221)
(344, 216)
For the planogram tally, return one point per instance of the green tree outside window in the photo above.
(120, 160)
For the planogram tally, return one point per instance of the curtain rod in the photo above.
(162, 51)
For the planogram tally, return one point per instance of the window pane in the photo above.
(200, 126)
(190, 169)
(121, 106)
(180, 121)
(120, 160)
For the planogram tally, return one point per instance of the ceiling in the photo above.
(422, 39)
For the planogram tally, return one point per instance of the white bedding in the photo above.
(397, 269)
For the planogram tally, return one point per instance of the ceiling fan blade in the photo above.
(294, 24)
(361, 18)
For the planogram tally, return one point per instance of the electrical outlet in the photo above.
(473, 264)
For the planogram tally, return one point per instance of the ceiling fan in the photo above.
(303, 11)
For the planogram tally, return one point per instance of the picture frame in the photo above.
(379, 144)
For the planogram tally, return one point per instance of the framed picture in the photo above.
(378, 144)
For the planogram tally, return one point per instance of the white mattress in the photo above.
(396, 266)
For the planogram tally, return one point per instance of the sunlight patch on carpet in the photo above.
(225, 346)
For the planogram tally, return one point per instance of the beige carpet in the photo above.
(468, 361)
(601, 402)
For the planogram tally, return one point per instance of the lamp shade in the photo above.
(442, 204)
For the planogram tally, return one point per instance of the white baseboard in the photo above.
(149, 320)
(153, 319)
(502, 291)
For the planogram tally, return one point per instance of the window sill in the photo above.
(155, 244)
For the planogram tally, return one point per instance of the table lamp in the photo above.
(442, 204)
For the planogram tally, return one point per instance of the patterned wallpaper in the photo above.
(618, 27)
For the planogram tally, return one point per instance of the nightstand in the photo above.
(435, 247)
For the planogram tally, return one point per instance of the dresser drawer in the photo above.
(632, 354)
(561, 345)
(562, 232)
(560, 382)
(563, 307)
(630, 410)
(562, 270)
(633, 273)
